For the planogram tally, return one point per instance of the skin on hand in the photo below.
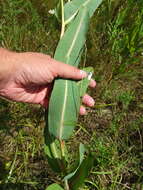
(28, 77)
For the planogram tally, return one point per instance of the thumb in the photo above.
(66, 71)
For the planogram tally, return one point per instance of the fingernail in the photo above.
(83, 74)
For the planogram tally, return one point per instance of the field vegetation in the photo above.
(113, 129)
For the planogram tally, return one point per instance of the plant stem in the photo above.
(62, 149)
(66, 185)
(62, 143)
(63, 19)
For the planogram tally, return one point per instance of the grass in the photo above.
(113, 129)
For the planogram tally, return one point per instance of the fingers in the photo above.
(88, 100)
(92, 83)
(82, 110)
(63, 70)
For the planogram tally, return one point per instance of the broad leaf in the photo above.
(81, 157)
(65, 98)
(70, 46)
(52, 151)
(82, 173)
(54, 186)
(72, 8)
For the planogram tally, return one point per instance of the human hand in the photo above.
(28, 77)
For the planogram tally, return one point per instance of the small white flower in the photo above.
(51, 11)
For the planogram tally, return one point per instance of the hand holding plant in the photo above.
(29, 77)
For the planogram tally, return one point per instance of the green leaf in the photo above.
(58, 11)
(82, 173)
(65, 98)
(70, 46)
(71, 8)
(83, 84)
(81, 157)
(52, 151)
(52, 155)
(54, 186)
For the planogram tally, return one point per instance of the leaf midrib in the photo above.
(66, 81)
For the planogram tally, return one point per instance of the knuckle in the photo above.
(75, 70)
(51, 78)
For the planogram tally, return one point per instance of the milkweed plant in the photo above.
(62, 114)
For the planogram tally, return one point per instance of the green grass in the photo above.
(113, 129)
